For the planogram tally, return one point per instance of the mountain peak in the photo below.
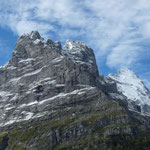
(131, 86)
(79, 52)
(126, 76)
(69, 44)
(125, 71)
(32, 45)
(35, 35)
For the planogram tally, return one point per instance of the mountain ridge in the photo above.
(54, 98)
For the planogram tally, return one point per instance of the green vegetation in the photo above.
(140, 142)
(93, 118)
(1, 137)
(40, 134)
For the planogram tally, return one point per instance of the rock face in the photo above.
(54, 98)
(38, 72)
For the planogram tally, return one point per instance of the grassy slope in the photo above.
(105, 126)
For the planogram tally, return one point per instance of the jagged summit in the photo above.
(26, 47)
(32, 35)
(35, 35)
(79, 52)
(38, 73)
(129, 84)
(126, 76)
(73, 44)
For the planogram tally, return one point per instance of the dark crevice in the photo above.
(4, 143)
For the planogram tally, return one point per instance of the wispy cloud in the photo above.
(116, 29)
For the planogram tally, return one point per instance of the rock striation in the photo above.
(41, 71)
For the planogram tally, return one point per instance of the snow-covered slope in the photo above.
(129, 84)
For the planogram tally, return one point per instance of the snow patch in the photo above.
(33, 73)
(9, 108)
(4, 95)
(26, 60)
(61, 95)
(58, 59)
(37, 41)
(29, 104)
(28, 115)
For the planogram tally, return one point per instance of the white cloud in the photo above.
(145, 29)
(24, 26)
(123, 56)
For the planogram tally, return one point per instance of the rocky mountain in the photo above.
(53, 98)
(129, 84)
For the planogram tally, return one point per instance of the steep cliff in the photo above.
(54, 98)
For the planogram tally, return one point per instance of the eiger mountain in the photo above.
(53, 98)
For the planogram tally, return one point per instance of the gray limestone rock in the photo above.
(39, 71)
(54, 98)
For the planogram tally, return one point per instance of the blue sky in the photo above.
(117, 30)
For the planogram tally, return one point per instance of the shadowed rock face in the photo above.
(53, 98)
(4, 143)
